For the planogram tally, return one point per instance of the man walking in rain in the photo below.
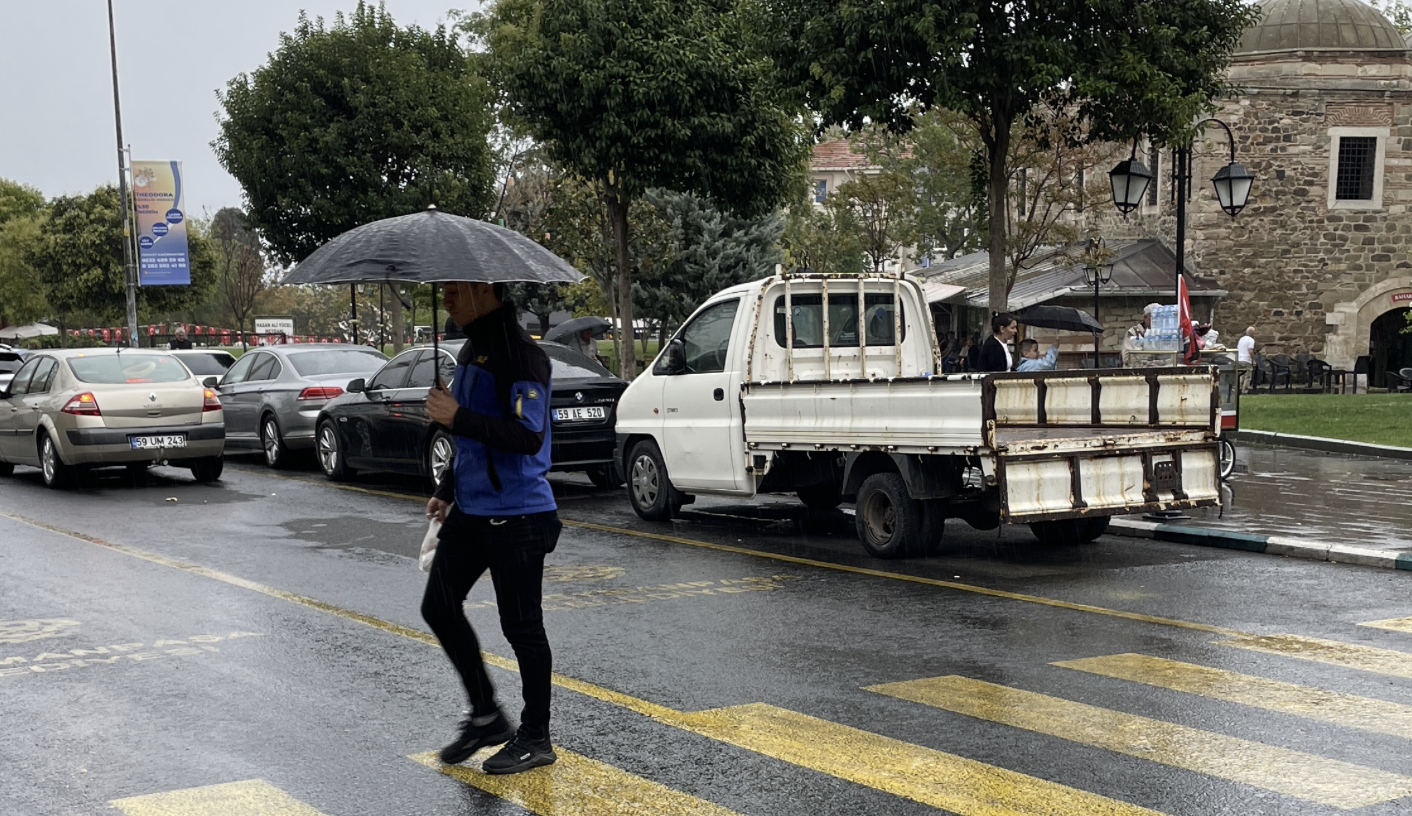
(499, 515)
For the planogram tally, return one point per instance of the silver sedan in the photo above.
(272, 395)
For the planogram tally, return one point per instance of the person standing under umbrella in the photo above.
(995, 351)
(499, 515)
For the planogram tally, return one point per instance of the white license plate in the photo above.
(571, 414)
(155, 442)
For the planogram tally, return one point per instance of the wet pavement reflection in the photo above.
(1333, 497)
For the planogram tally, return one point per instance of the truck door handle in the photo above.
(719, 394)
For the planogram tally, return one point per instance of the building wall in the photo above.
(1309, 277)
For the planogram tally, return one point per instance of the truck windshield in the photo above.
(843, 320)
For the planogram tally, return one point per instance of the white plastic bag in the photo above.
(429, 542)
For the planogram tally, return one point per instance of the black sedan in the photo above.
(380, 424)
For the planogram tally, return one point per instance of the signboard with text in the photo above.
(274, 325)
(161, 224)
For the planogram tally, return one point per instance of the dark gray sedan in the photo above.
(273, 395)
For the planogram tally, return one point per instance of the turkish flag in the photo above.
(107, 335)
(1184, 323)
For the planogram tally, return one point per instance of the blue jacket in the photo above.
(1044, 363)
(502, 427)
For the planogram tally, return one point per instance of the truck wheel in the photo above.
(934, 518)
(650, 491)
(1069, 531)
(891, 524)
(820, 498)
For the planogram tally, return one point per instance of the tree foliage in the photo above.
(353, 123)
(1123, 67)
(637, 94)
(79, 259)
(240, 264)
(22, 212)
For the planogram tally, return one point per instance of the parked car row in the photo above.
(65, 410)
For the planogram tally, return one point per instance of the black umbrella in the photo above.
(1063, 318)
(432, 247)
(569, 328)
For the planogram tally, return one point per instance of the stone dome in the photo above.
(1320, 25)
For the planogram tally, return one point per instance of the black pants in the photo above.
(513, 549)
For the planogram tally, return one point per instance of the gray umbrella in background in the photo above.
(569, 328)
(432, 247)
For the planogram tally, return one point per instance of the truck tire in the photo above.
(891, 524)
(934, 518)
(649, 489)
(1070, 531)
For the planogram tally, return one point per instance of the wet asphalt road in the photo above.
(265, 631)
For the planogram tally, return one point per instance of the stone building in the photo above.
(1319, 259)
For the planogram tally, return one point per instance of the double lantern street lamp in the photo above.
(1098, 270)
(1232, 182)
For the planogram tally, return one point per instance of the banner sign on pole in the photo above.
(161, 224)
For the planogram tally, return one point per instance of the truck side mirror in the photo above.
(674, 361)
(356, 386)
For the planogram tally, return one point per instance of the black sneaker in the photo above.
(475, 737)
(521, 754)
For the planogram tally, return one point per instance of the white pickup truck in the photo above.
(785, 385)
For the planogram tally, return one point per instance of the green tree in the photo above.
(353, 123)
(1397, 11)
(240, 264)
(705, 250)
(635, 94)
(821, 239)
(950, 198)
(1123, 67)
(22, 213)
(78, 256)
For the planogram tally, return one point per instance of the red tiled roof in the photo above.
(837, 154)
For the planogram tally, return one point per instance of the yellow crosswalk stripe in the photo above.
(579, 786)
(253, 797)
(1332, 652)
(1292, 773)
(1393, 624)
(1348, 710)
(962, 786)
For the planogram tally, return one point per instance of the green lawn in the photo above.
(1380, 419)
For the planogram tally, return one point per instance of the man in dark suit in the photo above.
(995, 354)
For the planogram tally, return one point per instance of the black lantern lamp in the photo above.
(1232, 184)
(1129, 179)
(1098, 270)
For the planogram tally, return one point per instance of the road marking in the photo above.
(253, 797)
(579, 786)
(1281, 770)
(1331, 652)
(946, 781)
(791, 559)
(1392, 624)
(1348, 710)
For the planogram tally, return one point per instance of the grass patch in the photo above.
(1379, 419)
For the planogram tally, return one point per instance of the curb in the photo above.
(1320, 443)
(1274, 545)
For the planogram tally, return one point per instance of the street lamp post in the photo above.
(1232, 183)
(128, 271)
(1098, 270)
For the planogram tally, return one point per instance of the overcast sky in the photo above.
(56, 87)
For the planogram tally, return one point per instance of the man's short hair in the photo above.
(180, 330)
(1027, 344)
(1000, 321)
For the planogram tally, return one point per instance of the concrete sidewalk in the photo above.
(1302, 503)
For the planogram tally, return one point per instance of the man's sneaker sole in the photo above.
(456, 758)
(534, 760)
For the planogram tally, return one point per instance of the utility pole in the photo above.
(128, 270)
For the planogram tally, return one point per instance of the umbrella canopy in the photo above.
(26, 332)
(569, 328)
(1059, 317)
(432, 246)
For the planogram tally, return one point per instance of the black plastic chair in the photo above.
(1317, 372)
(1399, 381)
(1281, 367)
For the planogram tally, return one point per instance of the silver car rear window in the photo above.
(329, 361)
(128, 368)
